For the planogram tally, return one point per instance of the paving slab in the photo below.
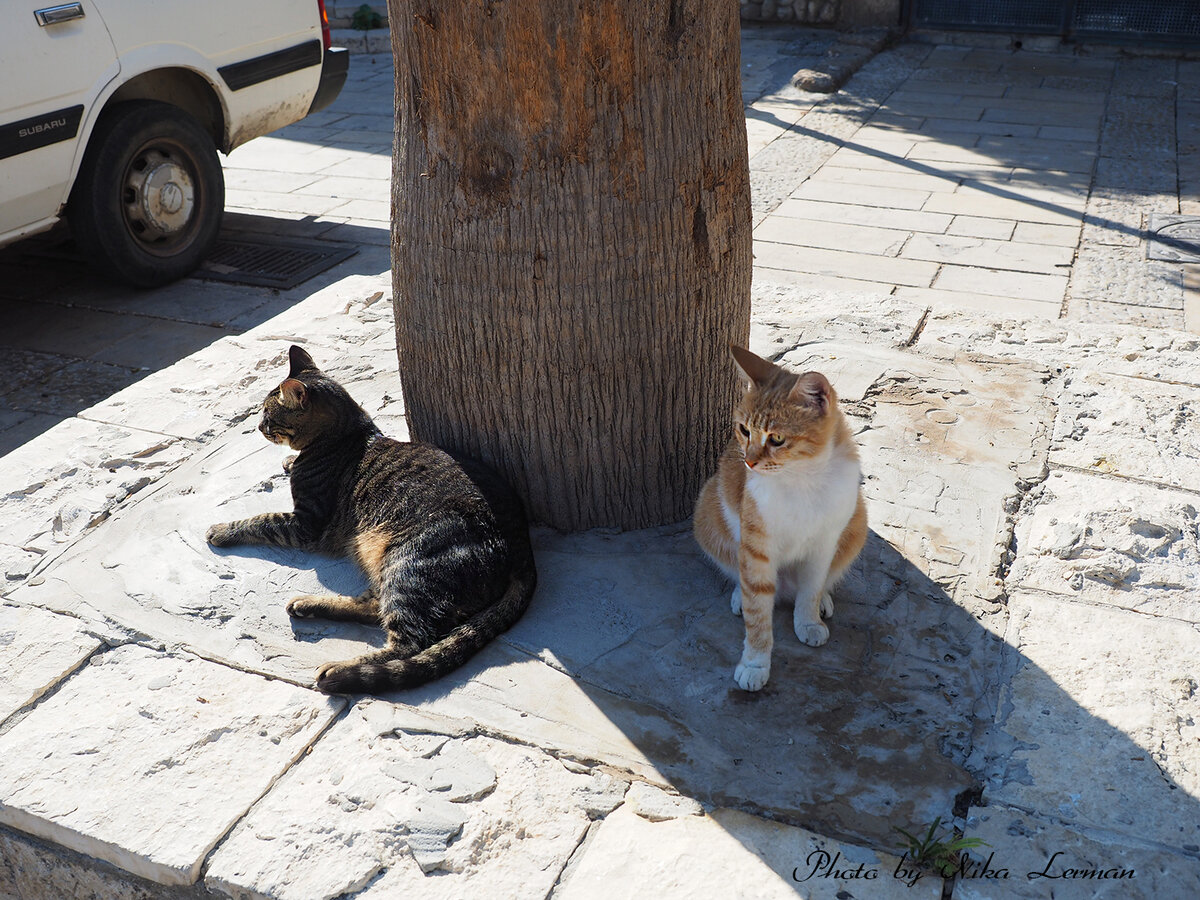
(69, 479)
(850, 214)
(846, 264)
(788, 315)
(1001, 283)
(991, 254)
(391, 813)
(1121, 275)
(1034, 858)
(958, 301)
(1109, 541)
(175, 734)
(207, 394)
(729, 853)
(150, 571)
(832, 235)
(1089, 734)
(1138, 352)
(39, 650)
(1129, 426)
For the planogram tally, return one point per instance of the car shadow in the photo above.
(74, 338)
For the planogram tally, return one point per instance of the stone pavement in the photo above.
(951, 238)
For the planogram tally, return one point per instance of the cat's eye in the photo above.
(743, 429)
(774, 440)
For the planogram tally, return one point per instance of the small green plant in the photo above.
(365, 18)
(935, 853)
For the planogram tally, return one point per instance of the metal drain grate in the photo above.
(268, 261)
(1173, 238)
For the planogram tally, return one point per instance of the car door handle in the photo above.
(52, 15)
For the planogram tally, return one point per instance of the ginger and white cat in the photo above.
(783, 515)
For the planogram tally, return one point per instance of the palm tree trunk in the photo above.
(571, 244)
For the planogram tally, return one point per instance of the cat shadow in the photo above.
(313, 573)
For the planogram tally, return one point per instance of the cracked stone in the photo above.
(601, 795)
(657, 805)
(429, 825)
(1114, 542)
(1130, 427)
(171, 746)
(701, 856)
(1020, 844)
(72, 477)
(452, 771)
(1168, 356)
(1091, 733)
(339, 823)
(37, 650)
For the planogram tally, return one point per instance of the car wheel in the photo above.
(147, 203)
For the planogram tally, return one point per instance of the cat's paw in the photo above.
(289, 462)
(335, 678)
(753, 675)
(221, 535)
(735, 601)
(301, 607)
(826, 605)
(814, 634)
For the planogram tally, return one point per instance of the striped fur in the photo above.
(783, 515)
(443, 540)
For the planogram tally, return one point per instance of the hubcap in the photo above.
(159, 196)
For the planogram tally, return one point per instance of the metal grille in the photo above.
(991, 15)
(267, 261)
(1173, 238)
(1172, 19)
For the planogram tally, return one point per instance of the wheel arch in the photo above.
(184, 88)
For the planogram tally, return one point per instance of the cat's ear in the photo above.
(293, 393)
(300, 360)
(754, 367)
(813, 390)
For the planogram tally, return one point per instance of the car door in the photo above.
(55, 58)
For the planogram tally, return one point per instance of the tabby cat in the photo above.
(783, 514)
(442, 539)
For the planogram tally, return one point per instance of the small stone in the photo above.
(816, 81)
(431, 824)
(658, 806)
(423, 745)
(601, 795)
(571, 766)
(453, 772)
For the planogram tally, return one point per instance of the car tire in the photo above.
(147, 204)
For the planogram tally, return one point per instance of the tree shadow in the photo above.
(901, 719)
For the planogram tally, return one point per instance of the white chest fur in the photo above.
(806, 505)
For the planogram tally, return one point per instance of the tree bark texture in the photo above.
(572, 244)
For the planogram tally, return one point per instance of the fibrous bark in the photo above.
(571, 244)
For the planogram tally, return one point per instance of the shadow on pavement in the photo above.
(72, 338)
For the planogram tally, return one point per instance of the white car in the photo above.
(112, 113)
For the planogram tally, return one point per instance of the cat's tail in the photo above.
(377, 673)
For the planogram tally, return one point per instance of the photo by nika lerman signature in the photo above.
(823, 865)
